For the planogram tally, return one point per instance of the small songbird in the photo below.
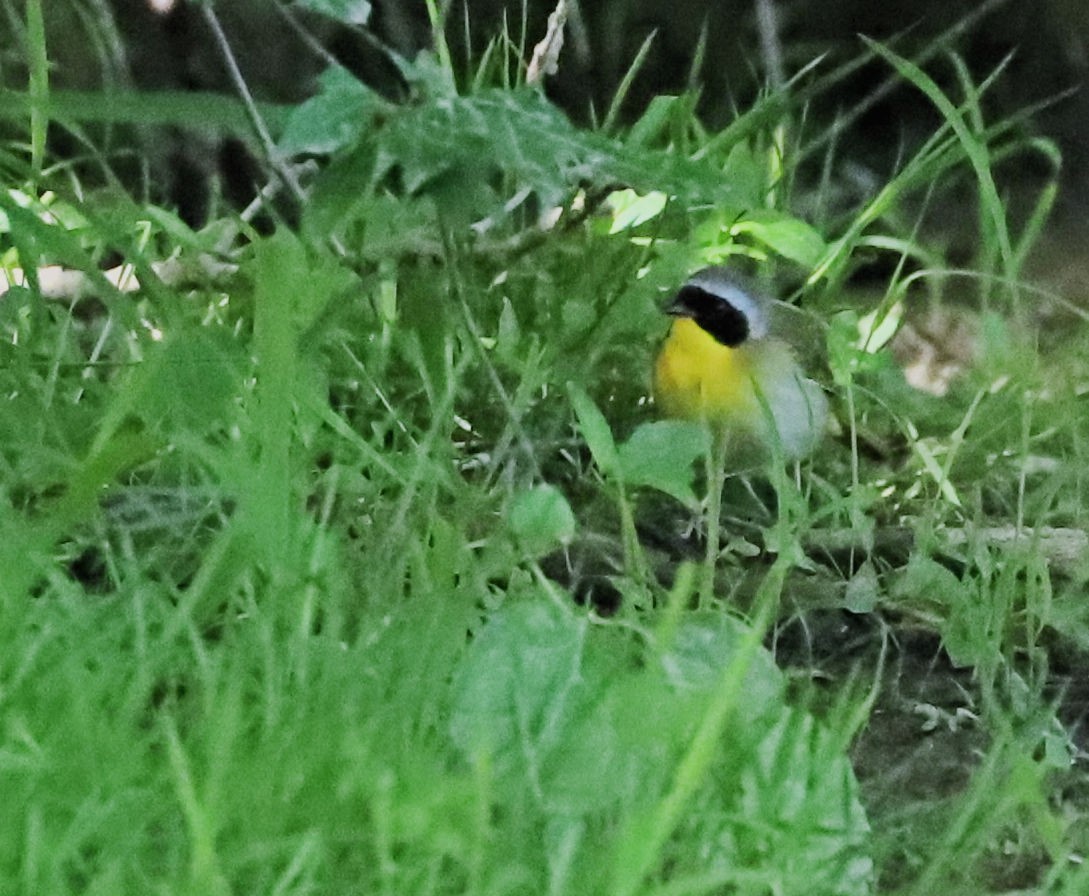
(721, 364)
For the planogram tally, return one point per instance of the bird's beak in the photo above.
(678, 308)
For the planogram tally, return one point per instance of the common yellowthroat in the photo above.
(721, 364)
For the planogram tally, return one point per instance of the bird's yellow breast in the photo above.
(721, 365)
(697, 377)
(755, 391)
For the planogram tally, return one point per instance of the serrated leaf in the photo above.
(815, 834)
(520, 134)
(335, 118)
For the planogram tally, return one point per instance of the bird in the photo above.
(721, 364)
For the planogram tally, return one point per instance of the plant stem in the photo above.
(717, 453)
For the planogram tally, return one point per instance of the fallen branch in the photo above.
(1066, 550)
(56, 282)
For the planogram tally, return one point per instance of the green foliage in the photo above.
(275, 524)
(540, 519)
(579, 727)
(466, 153)
(337, 117)
(663, 454)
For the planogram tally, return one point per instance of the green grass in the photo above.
(291, 537)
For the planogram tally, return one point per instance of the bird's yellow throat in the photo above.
(719, 364)
(697, 377)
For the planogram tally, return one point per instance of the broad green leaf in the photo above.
(541, 519)
(630, 209)
(531, 698)
(662, 454)
(703, 644)
(579, 721)
(784, 234)
(520, 685)
(187, 382)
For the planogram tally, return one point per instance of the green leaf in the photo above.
(574, 720)
(517, 668)
(40, 241)
(337, 117)
(541, 519)
(747, 171)
(187, 382)
(661, 455)
(470, 153)
(595, 429)
(520, 134)
(524, 700)
(630, 209)
(813, 835)
(784, 234)
(656, 119)
(925, 579)
(877, 329)
(703, 644)
(508, 333)
(863, 590)
(848, 354)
